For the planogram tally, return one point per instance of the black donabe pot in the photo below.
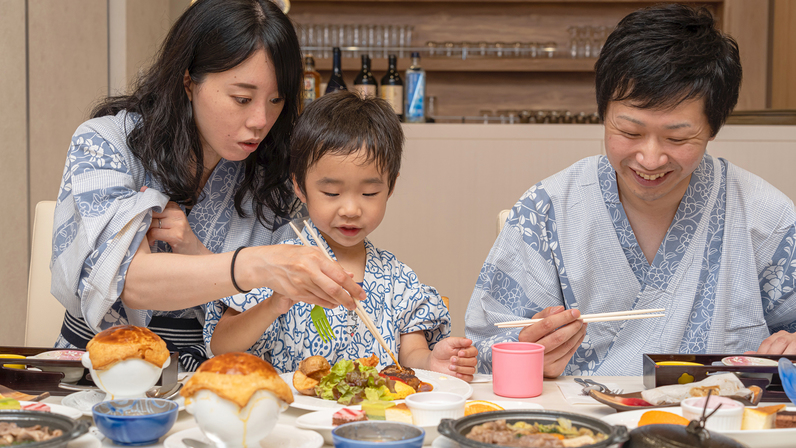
(457, 430)
(678, 436)
(71, 428)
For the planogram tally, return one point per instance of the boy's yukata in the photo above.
(724, 272)
(397, 303)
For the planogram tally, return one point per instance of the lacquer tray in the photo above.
(35, 382)
(656, 375)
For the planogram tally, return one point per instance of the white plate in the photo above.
(321, 421)
(283, 436)
(748, 361)
(84, 400)
(59, 409)
(440, 381)
(766, 438)
(481, 378)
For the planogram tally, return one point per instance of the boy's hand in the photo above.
(457, 356)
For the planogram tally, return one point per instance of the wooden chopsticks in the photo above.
(599, 317)
(360, 310)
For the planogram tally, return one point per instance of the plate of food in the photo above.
(316, 385)
(12, 404)
(726, 385)
(773, 437)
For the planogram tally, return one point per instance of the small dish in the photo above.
(379, 433)
(429, 408)
(727, 418)
(71, 374)
(634, 401)
(141, 421)
(738, 361)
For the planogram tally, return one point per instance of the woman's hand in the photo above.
(560, 333)
(171, 226)
(301, 273)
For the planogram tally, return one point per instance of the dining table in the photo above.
(551, 398)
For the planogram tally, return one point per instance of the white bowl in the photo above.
(727, 418)
(321, 422)
(428, 408)
(129, 379)
(230, 426)
(71, 374)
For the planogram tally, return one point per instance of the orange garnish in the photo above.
(662, 417)
(478, 406)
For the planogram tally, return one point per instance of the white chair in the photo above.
(502, 217)
(45, 312)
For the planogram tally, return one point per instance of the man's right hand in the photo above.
(560, 332)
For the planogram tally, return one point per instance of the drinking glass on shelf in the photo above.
(516, 49)
(449, 49)
(326, 39)
(573, 41)
(466, 47)
(499, 49)
(408, 30)
(371, 38)
(485, 114)
(431, 46)
(599, 39)
(550, 49)
(431, 107)
(483, 48)
(531, 49)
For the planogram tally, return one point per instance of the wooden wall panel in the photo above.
(14, 251)
(148, 22)
(747, 21)
(783, 79)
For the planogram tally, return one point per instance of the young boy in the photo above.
(345, 159)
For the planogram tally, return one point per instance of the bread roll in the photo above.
(236, 377)
(124, 342)
(310, 373)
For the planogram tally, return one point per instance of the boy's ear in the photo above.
(393, 185)
(297, 190)
(188, 84)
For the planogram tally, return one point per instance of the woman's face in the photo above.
(235, 109)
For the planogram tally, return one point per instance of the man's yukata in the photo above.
(101, 217)
(724, 272)
(397, 303)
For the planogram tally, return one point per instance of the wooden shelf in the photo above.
(493, 1)
(584, 65)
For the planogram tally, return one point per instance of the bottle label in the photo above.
(415, 96)
(365, 90)
(309, 88)
(395, 96)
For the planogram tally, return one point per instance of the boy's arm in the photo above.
(237, 332)
(454, 356)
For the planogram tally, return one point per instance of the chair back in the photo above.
(502, 217)
(45, 313)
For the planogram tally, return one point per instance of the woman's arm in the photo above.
(237, 332)
(167, 281)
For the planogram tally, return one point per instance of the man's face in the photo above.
(655, 151)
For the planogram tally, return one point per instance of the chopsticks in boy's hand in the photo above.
(600, 317)
(360, 310)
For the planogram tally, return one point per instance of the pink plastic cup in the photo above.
(517, 369)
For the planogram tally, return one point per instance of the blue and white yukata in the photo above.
(397, 303)
(101, 217)
(724, 272)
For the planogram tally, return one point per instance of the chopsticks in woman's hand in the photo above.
(600, 317)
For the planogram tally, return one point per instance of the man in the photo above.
(656, 223)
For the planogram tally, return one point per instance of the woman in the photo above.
(163, 188)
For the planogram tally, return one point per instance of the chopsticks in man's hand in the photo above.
(600, 317)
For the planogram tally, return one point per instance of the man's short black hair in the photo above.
(342, 123)
(660, 56)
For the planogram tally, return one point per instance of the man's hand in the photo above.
(779, 343)
(560, 332)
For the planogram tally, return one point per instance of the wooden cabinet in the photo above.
(463, 87)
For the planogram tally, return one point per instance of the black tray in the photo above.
(35, 382)
(656, 375)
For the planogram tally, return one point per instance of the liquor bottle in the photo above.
(392, 87)
(414, 105)
(365, 83)
(312, 81)
(336, 80)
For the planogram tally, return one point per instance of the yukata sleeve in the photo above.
(420, 307)
(778, 282)
(520, 276)
(101, 217)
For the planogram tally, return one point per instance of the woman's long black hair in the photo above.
(213, 36)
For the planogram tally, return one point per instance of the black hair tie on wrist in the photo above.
(232, 270)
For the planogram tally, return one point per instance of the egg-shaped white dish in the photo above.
(230, 426)
(130, 378)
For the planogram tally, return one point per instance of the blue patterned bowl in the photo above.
(378, 433)
(141, 421)
(787, 373)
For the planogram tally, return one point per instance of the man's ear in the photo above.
(394, 183)
(297, 190)
(188, 84)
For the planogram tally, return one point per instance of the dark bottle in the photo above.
(336, 80)
(365, 83)
(392, 87)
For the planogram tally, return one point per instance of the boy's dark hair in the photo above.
(342, 123)
(213, 36)
(660, 56)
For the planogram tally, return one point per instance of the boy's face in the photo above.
(346, 198)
